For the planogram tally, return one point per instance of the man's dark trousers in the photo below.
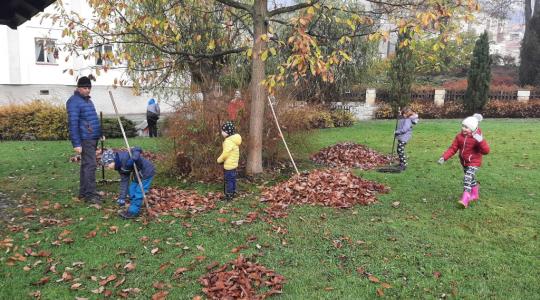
(87, 181)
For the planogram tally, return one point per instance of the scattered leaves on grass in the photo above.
(351, 155)
(437, 274)
(241, 279)
(329, 187)
(154, 251)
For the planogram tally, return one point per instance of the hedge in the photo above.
(454, 109)
(41, 120)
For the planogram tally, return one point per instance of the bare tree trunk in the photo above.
(536, 8)
(258, 92)
(528, 10)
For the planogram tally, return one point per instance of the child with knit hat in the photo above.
(229, 158)
(125, 164)
(471, 145)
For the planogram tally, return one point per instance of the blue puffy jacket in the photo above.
(124, 165)
(83, 120)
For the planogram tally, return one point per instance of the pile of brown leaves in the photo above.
(146, 154)
(167, 199)
(241, 279)
(330, 187)
(351, 155)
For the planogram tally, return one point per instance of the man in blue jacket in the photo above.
(122, 162)
(84, 133)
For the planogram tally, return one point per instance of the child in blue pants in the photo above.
(124, 164)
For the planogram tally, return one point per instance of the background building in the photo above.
(35, 67)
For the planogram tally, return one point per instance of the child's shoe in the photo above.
(475, 192)
(127, 215)
(465, 199)
(227, 197)
(121, 202)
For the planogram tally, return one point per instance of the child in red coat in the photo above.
(471, 145)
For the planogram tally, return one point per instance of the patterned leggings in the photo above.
(401, 153)
(469, 179)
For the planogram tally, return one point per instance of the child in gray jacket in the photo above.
(403, 133)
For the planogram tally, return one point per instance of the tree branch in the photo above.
(286, 9)
(236, 4)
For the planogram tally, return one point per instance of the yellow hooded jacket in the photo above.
(231, 152)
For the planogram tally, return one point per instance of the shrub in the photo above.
(342, 118)
(493, 109)
(111, 129)
(33, 120)
(195, 129)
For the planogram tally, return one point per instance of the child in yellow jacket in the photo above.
(229, 158)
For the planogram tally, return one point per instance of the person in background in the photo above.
(84, 133)
(152, 116)
(235, 106)
(471, 146)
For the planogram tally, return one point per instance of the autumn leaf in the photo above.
(386, 285)
(109, 278)
(76, 286)
(222, 220)
(154, 251)
(113, 229)
(373, 279)
(161, 295)
(66, 276)
(42, 281)
(437, 274)
(380, 292)
(91, 234)
(130, 266)
(178, 272)
(120, 282)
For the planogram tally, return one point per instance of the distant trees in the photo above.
(529, 69)
(479, 76)
(402, 71)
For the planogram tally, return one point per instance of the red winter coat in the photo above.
(470, 150)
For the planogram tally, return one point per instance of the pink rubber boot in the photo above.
(465, 198)
(475, 192)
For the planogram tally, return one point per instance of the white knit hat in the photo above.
(472, 122)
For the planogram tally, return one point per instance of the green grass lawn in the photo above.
(427, 247)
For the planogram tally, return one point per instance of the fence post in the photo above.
(371, 94)
(439, 97)
(523, 96)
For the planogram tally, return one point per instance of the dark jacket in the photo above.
(470, 150)
(124, 165)
(83, 121)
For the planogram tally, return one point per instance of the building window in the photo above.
(46, 51)
(104, 55)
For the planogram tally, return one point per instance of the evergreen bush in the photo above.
(479, 76)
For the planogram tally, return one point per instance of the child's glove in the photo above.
(441, 161)
(121, 202)
(479, 138)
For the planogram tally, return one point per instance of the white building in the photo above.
(33, 66)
